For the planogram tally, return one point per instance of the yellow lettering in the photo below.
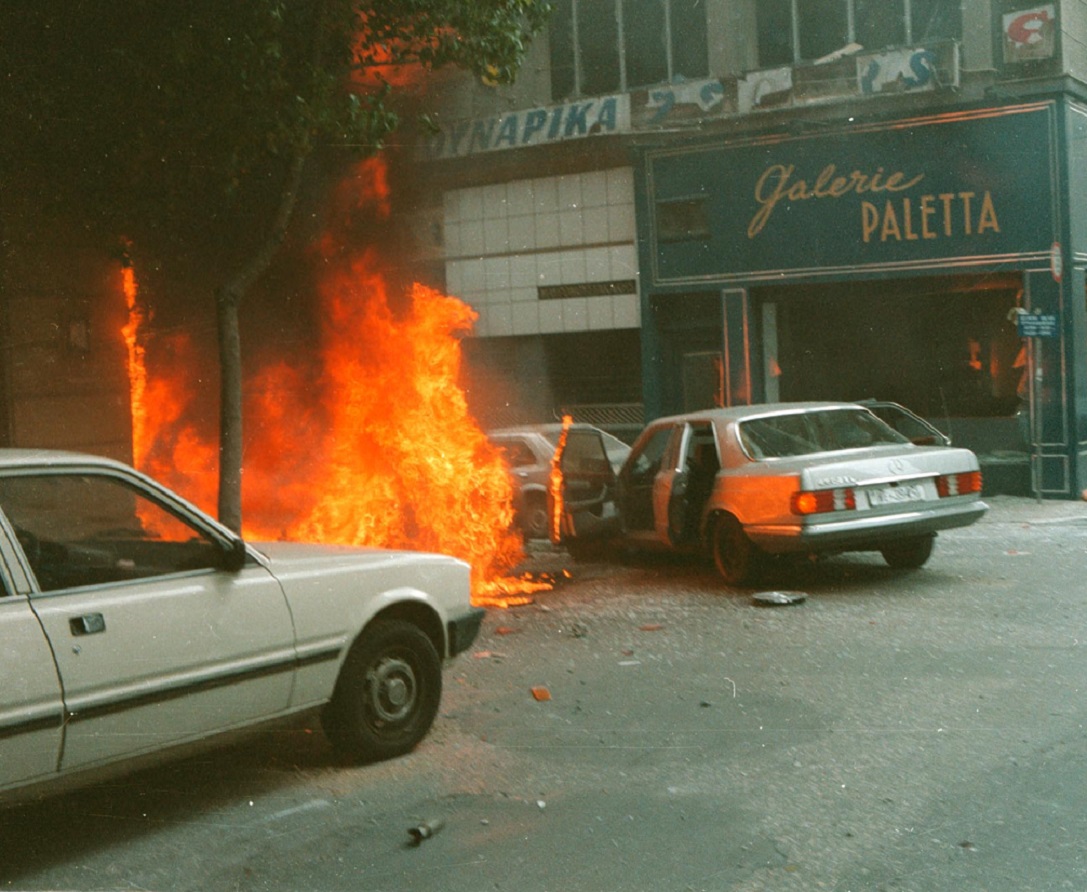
(966, 221)
(776, 184)
(869, 220)
(768, 192)
(987, 217)
(907, 220)
(897, 182)
(927, 210)
(946, 198)
(890, 224)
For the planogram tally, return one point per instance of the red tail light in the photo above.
(958, 484)
(821, 501)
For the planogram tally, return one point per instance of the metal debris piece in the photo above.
(778, 599)
(425, 830)
(541, 693)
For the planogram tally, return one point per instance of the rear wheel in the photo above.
(387, 694)
(736, 557)
(535, 522)
(908, 554)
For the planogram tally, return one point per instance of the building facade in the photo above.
(685, 204)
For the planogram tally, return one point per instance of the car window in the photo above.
(85, 529)
(643, 465)
(518, 453)
(805, 433)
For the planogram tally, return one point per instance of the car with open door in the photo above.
(132, 626)
(527, 451)
(744, 483)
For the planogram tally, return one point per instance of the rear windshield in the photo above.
(823, 430)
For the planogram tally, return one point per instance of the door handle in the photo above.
(88, 624)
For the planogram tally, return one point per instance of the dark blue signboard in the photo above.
(1038, 325)
(963, 189)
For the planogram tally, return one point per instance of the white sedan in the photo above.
(752, 481)
(132, 624)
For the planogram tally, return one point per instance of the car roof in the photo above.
(741, 413)
(547, 428)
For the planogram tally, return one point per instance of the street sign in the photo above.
(1038, 325)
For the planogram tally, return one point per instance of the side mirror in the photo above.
(235, 555)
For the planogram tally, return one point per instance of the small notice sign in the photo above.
(1038, 325)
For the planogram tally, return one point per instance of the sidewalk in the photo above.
(1021, 509)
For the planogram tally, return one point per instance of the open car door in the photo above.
(582, 491)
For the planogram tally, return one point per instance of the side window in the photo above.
(85, 529)
(645, 464)
(518, 453)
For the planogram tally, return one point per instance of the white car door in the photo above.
(155, 640)
(31, 710)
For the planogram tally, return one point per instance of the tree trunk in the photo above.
(228, 305)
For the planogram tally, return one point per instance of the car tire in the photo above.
(908, 554)
(736, 557)
(535, 521)
(387, 694)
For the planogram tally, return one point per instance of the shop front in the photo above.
(931, 261)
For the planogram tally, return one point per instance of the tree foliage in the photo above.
(199, 116)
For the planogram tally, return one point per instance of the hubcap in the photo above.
(392, 690)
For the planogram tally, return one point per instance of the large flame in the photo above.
(370, 443)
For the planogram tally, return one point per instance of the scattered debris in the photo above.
(425, 830)
(651, 627)
(488, 655)
(630, 662)
(505, 630)
(778, 599)
(579, 630)
(541, 693)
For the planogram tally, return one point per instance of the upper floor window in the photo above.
(612, 46)
(802, 30)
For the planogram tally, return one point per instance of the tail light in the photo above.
(822, 501)
(963, 484)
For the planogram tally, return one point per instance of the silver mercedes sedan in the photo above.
(132, 626)
(745, 483)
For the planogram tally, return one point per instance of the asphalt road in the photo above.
(895, 731)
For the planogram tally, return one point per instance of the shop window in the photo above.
(940, 350)
(682, 220)
(609, 46)
(805, 30)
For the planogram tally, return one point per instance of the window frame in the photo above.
(795, 11)
(581, 76)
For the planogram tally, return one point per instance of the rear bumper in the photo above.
(861, 532)
(464, 629)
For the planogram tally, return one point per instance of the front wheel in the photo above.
(908, 554)
(387, 694)
(736, 557)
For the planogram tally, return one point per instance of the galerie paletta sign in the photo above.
(945, 190)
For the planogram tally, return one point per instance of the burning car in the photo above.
(744, 483)
(133, 625)
(528, 452)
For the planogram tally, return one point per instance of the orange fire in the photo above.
(554, 481)
(371, 443)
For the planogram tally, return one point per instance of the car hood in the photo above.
(290, 557)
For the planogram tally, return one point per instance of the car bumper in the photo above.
(860, 532)
(463, 630)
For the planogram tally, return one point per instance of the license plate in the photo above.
(894, 495)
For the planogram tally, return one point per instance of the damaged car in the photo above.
(746, 483)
